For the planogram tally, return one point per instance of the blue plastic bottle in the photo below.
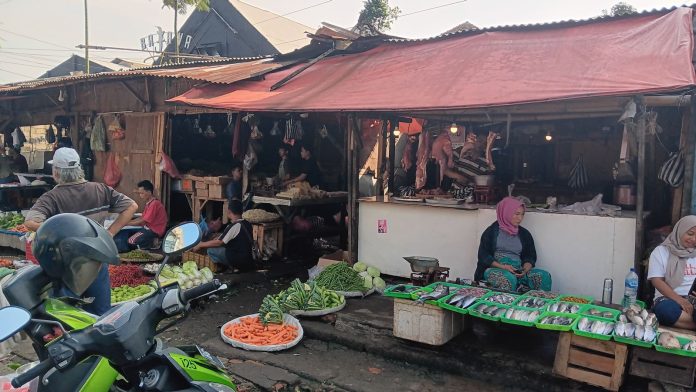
(630, 289)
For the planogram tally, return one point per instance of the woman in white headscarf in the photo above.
(672, 271)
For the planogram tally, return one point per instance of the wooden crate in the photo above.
(202, 260)
(219, 180)
(595, 362)
(663, 367)
(201, 185)
(202, 193)
(273, 230)
(216, 191)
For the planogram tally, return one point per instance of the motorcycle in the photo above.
(118, 351)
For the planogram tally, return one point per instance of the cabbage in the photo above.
(207, 274)
(379, 283)
(360, 266)
(197, 282)
(188, 284)
(364, 274)
(367, 282)
(374, 272)
(190, 267)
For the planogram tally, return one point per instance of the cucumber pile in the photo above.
(299, 296)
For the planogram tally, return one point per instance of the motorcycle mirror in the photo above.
(181, 237)
(14, 319)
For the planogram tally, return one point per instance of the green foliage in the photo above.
(182, 5)
(619, 9)
(376, 16)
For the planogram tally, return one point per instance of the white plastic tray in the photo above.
(320, 312)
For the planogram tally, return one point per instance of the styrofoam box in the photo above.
(425, 323)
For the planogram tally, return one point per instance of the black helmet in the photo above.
(71, 248)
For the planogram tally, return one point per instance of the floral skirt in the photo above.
(535, 279)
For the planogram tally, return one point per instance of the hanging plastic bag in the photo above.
(167, 165)
(275, 131)
(50, 135)
(98, 139)
(116, 130)
(672, 171)
(578, 175)
(112, 174)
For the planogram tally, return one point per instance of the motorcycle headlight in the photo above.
(214, 387)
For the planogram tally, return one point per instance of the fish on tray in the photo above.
(599, 313)
(636, 332)
(440, 291)
(462, 300)
(402, 288)
(490, 310)
(532, 302)
(596, 326)
(667, 340)
(505, 299)
(556, 320)
(522, 315)
(542, 294)
(564, 307)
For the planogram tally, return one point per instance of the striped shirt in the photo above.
(91, 199)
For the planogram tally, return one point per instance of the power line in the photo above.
(15, 57)
(16, 73)
(292, 12)
(23, 64)
(35, 39)
(431, 8)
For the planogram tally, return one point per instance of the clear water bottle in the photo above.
(630, 289)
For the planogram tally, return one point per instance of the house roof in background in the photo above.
(284, 34)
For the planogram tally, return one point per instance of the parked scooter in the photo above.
(117, 351)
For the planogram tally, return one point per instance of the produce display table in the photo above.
(12, 239)
(288, 208)
(21, 192)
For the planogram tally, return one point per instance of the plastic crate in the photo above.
(389, 293)
(431, 287)
(615, 313)
(519, 322)
(425, 323)
(442, 302)
(475, 313)
(676, 351)
(585, 297)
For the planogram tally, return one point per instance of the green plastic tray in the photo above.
(614, 312)
(553, 327)
(492, 293)
(389, 293)
(518, 322)
(429, 289)
(442, 302)
(588, 298)
(541, 309)
(598, 336)
(676, 351)
(581, 307)
(474, 313)
(634, 342)
(527, 294)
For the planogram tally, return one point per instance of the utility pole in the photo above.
(176, 29)
(86, 41)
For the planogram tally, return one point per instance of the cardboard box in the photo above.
(219, 180)
(201, 185)
(333, 258)
(216, 191)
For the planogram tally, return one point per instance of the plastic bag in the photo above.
(590, 207)
(116, 130)
(50, 135)
(167, 165)
(112, 174)
(98, 139)
(672, 171)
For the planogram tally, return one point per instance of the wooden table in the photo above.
(198, 203)
(288, 208)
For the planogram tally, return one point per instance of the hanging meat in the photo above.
(492, 136)
(424, 148)
(442, 152)
(407, 157)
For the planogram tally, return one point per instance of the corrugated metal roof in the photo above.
(223, 74)
(535, 26)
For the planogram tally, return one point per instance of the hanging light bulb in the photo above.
(397, 132)
(548, 136)
(454, 128)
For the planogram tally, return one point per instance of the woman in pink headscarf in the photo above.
(506, 255)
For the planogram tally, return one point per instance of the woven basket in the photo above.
(201, 260)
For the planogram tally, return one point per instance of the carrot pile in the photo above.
(251, 331)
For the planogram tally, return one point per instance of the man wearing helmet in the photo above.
(74, 194)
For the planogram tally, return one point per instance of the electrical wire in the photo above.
(431, 8)
(35, 39)
(16, 73)
(23, 64)
(292, 12)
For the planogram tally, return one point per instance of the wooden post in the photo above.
(392, 153)
(640, 197)
(381, 158)
(352, 176)
(678, 193)
(689, 161)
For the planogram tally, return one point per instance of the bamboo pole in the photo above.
(392, 153)
(381, 157)
(678, 193)
(689, 162)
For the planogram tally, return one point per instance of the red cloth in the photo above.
(155, 217)
(620, 57)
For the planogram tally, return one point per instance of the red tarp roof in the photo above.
(642, 54)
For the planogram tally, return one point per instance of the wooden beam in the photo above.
(392, 153)
(133, 93)
(381, 157)
(640, 192)
(689, 162)
(678, 193)
(352, 176)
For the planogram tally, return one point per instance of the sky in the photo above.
(36, 35)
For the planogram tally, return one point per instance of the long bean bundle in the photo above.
(341, 277)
